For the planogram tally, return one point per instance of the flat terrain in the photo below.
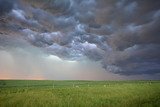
(29, 93)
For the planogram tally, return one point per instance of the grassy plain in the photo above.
(48, 93)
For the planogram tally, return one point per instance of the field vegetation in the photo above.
(48, 93)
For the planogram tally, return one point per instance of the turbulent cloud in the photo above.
(123, 35)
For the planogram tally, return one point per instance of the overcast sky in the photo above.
(80, 39)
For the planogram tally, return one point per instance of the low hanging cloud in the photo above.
(123, 35)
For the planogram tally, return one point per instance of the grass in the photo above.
(29, 93)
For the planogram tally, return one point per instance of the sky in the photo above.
(80, 39)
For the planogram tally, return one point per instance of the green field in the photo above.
(29, 93)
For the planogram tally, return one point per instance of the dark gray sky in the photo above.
(80, 39)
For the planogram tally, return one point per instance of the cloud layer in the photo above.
(123, 35)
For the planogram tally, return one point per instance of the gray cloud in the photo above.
(5, 6)
(123, 35)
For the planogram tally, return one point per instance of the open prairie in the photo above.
(48, 93)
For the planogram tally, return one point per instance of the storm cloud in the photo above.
(6, 6)
(123, 35)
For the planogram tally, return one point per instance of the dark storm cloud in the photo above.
(138, 59)
(5, 6)
(124, 35)
(66, 15)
